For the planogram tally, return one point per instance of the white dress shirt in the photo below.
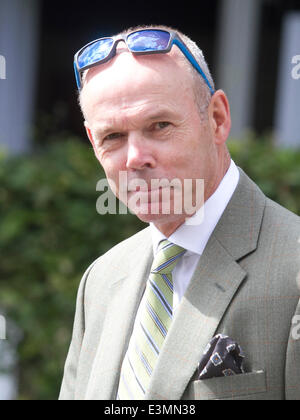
(194, 237)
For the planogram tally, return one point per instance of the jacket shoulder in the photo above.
(127, 247)
(116, 260)
(280, 213)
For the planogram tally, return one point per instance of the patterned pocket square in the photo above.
(221, 357)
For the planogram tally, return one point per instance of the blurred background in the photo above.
(49, 228)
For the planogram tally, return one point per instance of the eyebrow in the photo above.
(160, 115)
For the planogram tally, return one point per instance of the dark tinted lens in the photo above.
(148, 40)
(95, 52)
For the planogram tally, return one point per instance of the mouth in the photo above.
(149, 190)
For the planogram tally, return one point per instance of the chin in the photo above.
(161, 219)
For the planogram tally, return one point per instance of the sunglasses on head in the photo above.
(143, 41)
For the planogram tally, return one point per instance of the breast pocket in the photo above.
(228, 387)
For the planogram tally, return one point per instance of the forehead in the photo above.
(124, 60)
(127, 76)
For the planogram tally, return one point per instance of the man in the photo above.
(141, 327)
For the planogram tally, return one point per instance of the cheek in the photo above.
(113, 163)
(191, 161)
(113, 166)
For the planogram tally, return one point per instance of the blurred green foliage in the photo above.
(275, 170)
(50, 232)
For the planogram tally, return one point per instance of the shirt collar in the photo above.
(194, 237)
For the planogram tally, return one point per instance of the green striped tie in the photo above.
(149, 334)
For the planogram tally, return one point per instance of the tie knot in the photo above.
(167, 257)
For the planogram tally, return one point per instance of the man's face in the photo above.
(142, 119)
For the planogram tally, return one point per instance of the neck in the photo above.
(168, 228)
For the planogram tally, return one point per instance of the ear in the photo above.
(219, 116)
(91, 138)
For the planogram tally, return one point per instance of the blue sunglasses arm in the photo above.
(77, 77)
(192, 60)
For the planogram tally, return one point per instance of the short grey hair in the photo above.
(202, 91)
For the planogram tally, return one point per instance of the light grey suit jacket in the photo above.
(245, 286)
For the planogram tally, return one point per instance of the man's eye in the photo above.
(113, 136)
(161, 125)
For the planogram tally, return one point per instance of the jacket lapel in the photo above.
(213, 286)
(199, 314)
(125, 296)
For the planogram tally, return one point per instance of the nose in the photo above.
(139, 153)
